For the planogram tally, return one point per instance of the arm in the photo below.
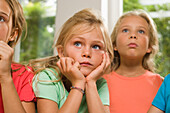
(154, 109)
(29, 107)
(94, 102)
(11, 101)
(71, 104)
(73, 101)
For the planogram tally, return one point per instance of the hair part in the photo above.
(148, 60)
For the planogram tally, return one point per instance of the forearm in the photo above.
(11, 101)
(73, 100)
(94, 102)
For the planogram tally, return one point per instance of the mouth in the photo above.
(85, 64)
(132, 45)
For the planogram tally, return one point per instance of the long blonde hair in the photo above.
(88, 17)
(148, 60)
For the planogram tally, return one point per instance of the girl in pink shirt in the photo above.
(16, 94)
(133, 83)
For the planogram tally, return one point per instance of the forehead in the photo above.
(82, 29)
(137, 20)
(4, 7)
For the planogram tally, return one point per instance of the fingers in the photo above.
(106, 62)
(65, 63)
(6, 52)
(70, 69)
(100, 70)
(77, 64)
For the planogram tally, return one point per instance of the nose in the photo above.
(131, 37)
(86, 52)
(133, 34)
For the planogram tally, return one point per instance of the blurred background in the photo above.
(43, 22)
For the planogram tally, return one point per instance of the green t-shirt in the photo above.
(55, 91)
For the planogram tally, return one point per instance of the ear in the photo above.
(13, 35)
(149, 50)
(60, 51)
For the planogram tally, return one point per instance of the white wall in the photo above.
(110, 10)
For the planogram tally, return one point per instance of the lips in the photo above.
(85, 64)
(132, 45)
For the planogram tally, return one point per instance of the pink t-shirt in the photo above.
(22, 77)
(132, 94)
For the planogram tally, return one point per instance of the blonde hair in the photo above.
(148, 60)
(18, 20)
(89, 17)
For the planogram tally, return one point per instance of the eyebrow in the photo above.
(4, 13)
(143, 27)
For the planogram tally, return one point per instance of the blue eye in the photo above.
(96, 47)
(2, 19)
(125, 30)
(141, 31)
(78, 44)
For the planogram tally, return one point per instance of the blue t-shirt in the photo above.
(162, 98)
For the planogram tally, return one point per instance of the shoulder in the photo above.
(167, 79)
(48, 74)
(154, 76)
(109, 75)
(21, 70)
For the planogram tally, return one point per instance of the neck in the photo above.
(130, 68)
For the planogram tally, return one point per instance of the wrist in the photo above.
(77, 88)
(80, 84)
(6, 79)
(90, 81)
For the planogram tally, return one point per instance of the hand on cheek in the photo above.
(70, 69)
(100, 70)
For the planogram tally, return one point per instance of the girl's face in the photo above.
(5, 21)
(86, 48)
(133, 38)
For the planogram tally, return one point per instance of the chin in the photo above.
(85, 72)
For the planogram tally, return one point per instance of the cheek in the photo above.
(98, 57)
(145, 41)
(3, 33)
(72, 54)
(120, 41)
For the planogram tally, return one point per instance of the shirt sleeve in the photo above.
(23, 80)
(160, 98)
(103, 91)
(46, 85)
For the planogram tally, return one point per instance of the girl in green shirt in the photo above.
(72, 81)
